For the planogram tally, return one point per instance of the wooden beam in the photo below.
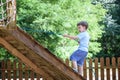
(9, 38)
(45, 54)
(11, 14)
(16, 53)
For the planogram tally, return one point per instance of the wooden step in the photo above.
(38, 57)
(9, 38)
(13, 42)
(24, 52)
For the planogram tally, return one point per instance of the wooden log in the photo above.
(113, 68)
(96, 68)
(108, 68)
(102, 68)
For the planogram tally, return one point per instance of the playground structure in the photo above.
(29, 51)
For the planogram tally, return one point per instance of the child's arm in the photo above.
(71, 37)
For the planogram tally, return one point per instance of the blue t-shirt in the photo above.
(84, 41)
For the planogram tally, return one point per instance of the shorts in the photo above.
(79, 56)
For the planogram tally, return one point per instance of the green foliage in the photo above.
(38, 17)
(60, 16)
(4, 55)
(110, 39)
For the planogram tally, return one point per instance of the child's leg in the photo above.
(80, 63)
(80, 70)
(74, 65)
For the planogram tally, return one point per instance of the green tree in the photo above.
(4, 54)
(46, 19)
(110, 40)
(60, 17)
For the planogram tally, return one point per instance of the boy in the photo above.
(80, 54)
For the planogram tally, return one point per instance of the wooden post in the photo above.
(102, 68)
(3, 70)
(38, 76)
(32, 75)
(9, 69)
(90, 70)
(9, 5)
(11, 14)
(85, 70)
(108, 68)
(113, 69)
(118, 68)
(96, 68)
(14, 68)
(20, 70)
(26, 72)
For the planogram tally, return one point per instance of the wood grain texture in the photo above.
(36, 56)
(16, 53)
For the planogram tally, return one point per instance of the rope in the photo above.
(7, 18)
(41, 31)
(52, 33)
(2, 15)
(1, 4)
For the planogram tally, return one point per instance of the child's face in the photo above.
(81, 28)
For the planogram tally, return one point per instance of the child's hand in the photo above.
(65, 35)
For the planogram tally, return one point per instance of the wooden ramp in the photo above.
(30, 52)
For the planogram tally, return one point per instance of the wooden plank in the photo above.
(45, 54)
(119, 68)
(20, 70)
(22, 57)
(9, 69)
(11, 11)
(13, 42)
(38, 76)
(24, 52)
(108, 68)
(14, 69)
(3, 70)
(32, 75)
(26, 73)
(90, 70)
(9, 38)
(113, 68)
(85, 69)
(102, 68)
(96, 68)
(20, 48)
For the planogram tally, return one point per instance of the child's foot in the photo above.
(75, 70)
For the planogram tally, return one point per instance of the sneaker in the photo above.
(75, 70)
